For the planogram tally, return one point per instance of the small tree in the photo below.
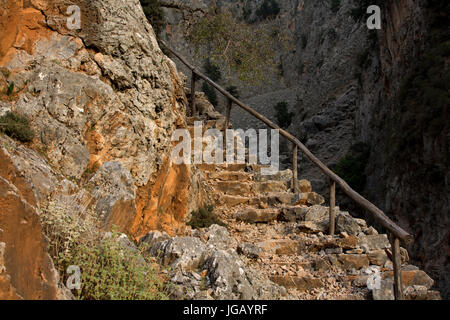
(231, 44)
(155, 14)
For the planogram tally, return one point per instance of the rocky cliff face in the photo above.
(103, 101)
(406, 125)
(346, 85)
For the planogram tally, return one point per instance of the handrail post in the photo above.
(192, 102)
(397, 262)
(295, 168)
(332, 205)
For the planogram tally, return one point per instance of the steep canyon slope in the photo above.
(382, 94)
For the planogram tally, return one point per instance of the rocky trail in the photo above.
(276, 245)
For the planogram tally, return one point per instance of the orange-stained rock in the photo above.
(163, 204)
(28, 271)
(19, 28)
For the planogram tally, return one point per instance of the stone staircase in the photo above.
(283, 235)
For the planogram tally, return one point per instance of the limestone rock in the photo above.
(305, 186)
(26, 270)
(153, 237)
(346, 223)
(353, 261)
(249, 250)
(378, 257)
(114, 194)
(181, 253)
(374, 242)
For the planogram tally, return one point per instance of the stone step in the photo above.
(230, 176)
(233, 201)
(270, 186)
(274, 198)
(252, 215)
(234, 188)
(284, 175)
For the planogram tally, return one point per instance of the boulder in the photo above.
(315, 199)
(249, 250)
(374, 242)
(313, 227)
(227, 277)
(346, 223)
(412, 278)
(180, 253)
(304, 186)
(378, 257)
(218, 237)
(353, 261)
(153, 237)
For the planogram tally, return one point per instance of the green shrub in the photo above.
(210, 93)
(109, 271)
(204, 218)
(284, 117)
(16, 126)
(352, 166)
(233, 90)
(155, 15)
(269, 9)
(212, 70)
(10, 89)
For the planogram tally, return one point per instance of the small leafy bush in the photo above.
(284, 117)
(16, 126)
(109, 270)
(233, 90)
(204, 218)
(352, 166)
(269, 9)
(10, 89)
(212, 70)
(210, 93)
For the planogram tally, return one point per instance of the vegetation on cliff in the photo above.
(204, 217)
(110, 269)
(16, 126)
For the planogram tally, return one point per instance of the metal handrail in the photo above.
(397, 233)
